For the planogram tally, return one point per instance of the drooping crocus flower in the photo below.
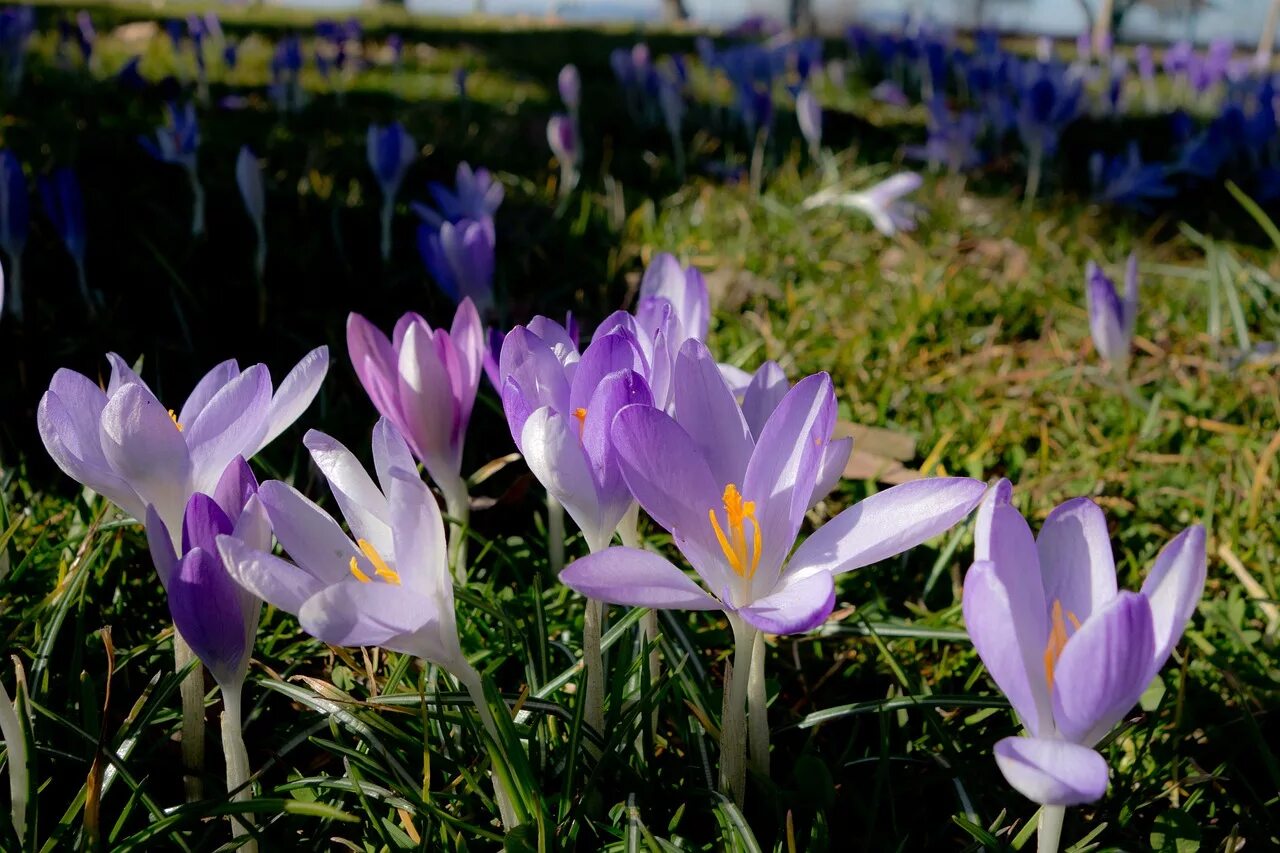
(564, 145)
(559, 408)
(386, 584)
(809, 116)
(734, 507)
(882, 202)
(177, 142)
(15, 223)
(123, 444)
(1112, 317)
(1070, 652)
(249, 180)
(390, 149)
(476, 195)
(64, 205)
(424, 382)
(216, 617)
(460, 257)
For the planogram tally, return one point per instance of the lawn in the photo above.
(964, 344)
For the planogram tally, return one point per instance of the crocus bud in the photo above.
(570, 83)
(1111, 318)
(809, 115)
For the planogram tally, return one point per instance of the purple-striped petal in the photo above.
(1052, 772)
(635, 578)
(1075, 558)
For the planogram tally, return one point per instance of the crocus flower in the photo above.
(809, 116)
(249, 180)
(684, 289)
(734, 507)
(1127, 181)
(460, 257)
(424, 382)
(570, 84)
(564, 145)
(1112, 317)
(390, 149)
(64, 205)
(15, 223)
(177, 142)
(125, 445)
(882, 202)
(1070, 652)
(476, 195)
(386, 584)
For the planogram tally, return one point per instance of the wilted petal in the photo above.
(795, 606)
(1173, 589)
(1052, 772)
(636, 578)
(1103, 669)
(1075, 558)
(295, 393)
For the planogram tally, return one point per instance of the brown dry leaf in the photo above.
(878, 454)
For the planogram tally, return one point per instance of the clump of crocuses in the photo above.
(1070, 651)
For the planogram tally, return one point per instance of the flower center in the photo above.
(380, 567)
(580, 415)
(1057, 639)
(734, 544)
(173, 416)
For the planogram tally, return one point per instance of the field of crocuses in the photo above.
(428, 434)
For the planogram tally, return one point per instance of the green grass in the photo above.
(968, 335)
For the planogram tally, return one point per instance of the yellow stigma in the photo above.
(1057, 639)
(734, 545)
(380, 567)
(173, 416)
(581, 416)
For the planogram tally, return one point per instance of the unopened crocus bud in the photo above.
(1111, 316)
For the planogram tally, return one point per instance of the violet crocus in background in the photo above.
(424, 381)
(64, 205)
(685, 289)
(569, 82)
(216, 617)
(460, 257)
(123, 444)
(386, 584)
(390, 150)
(734, 507)
(15, 224)
(177, 142)
(559, 408)
(476, 195)
(1071, 653)
(563, 140)
(285, 89)
(1111, 316)
(883, 202)
(249, 180)
(809, 117)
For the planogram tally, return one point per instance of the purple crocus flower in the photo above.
(177, 142)
(684, 289)
(809, 116)
(390, 150)
(123, 444)
(1111, 317)
(476, 195)
(15, 224)
(1070, 651)
(64, 205)
(460, 257)
(1127, 181)
(564, 145)
(569, 83)
(882, 202)
(424, 382)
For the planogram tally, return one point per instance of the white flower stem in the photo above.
(758, 709)
(192, 689)
(16, 746)
(237, 759)
(555, 534)
(593, 664)
(457, 503)
(733, 728)
(1049, 831)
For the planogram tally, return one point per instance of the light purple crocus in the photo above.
(569, 83)
(390, 150)
(1071, 652)
(1112, 317)
(563, 140)
(126, 445)
(476, 195)
(461, 257)
(424, 382)
(883, 202)
(684, 288)
(809, 117)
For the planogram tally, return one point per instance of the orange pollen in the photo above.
(173, 416)
(380, 567)
(581, 416)
(734, 545)
(1057, 638)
